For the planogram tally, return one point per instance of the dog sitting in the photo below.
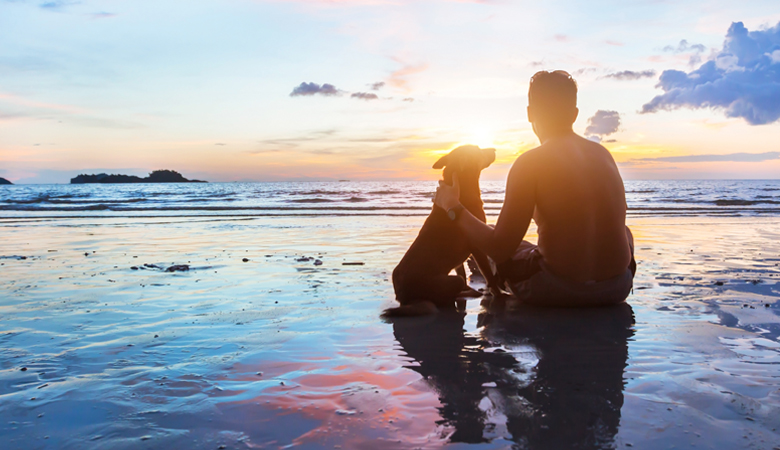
(422, 279)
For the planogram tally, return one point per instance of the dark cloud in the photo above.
(603, 123)
(743, 79)
(309, 89)
(731, 157)
(630, 75)
(377, 86)
(364, 95)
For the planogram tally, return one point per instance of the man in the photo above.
(572, 189)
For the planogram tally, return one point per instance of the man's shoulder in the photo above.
(527, 158)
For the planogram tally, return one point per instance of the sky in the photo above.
(273, 90)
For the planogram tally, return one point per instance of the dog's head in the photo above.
(466, 159)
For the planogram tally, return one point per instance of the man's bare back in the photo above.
(580, 208)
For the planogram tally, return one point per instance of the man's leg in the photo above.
(523, 265)
(524, 251)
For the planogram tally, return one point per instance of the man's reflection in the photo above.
(545, 378)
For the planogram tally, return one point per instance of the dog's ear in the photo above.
(441, 162)
(488, 156)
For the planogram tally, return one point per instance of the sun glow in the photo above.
(480, 136)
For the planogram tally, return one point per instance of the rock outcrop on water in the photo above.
(158, 176)
(4, 181)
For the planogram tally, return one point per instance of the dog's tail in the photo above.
(413, 310)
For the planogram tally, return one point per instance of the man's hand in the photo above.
(448, 196)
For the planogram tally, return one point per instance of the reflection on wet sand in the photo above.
(543, 378)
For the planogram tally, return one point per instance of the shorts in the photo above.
(532, 283)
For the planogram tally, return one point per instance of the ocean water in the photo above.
(402, 198)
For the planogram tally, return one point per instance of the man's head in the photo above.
(552, 102)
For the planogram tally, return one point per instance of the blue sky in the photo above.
(204, 87)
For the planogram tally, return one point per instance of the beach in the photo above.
(272, 338)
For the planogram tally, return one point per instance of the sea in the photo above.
(345, 198)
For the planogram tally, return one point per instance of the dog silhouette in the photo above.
(422, 280)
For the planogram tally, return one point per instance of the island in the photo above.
(4, 181)
(158, 176)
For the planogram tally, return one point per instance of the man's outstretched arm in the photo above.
(500, 242)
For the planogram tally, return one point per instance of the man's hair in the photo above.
(552, 93)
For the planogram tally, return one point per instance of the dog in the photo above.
(422, 280)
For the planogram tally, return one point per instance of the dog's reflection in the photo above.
(544, 378)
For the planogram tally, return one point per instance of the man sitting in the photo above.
(572, 189)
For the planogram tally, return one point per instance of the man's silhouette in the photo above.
(572, 189)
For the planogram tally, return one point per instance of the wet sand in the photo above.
(287, 348)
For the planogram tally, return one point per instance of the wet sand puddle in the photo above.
(286, 348)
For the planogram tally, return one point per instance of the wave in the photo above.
(58, 201)
(717, 198)
(740, 202)
(312, 200)
(320, 192)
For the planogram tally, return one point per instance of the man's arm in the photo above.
(500, 242)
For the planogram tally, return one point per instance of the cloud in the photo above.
(377, 86)
(584, 70)
(730, 157)
(603, 123)
(408, 99)
(56, 5)
(684, 47)
(364, 95)
(630, 75)
(399, 78)
(290, 143)
(743, 80)
(309, 89)
(102, 15)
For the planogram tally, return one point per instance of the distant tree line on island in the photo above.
(158, 176)
(4, 181)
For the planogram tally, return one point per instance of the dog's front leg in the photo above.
(493, 280)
